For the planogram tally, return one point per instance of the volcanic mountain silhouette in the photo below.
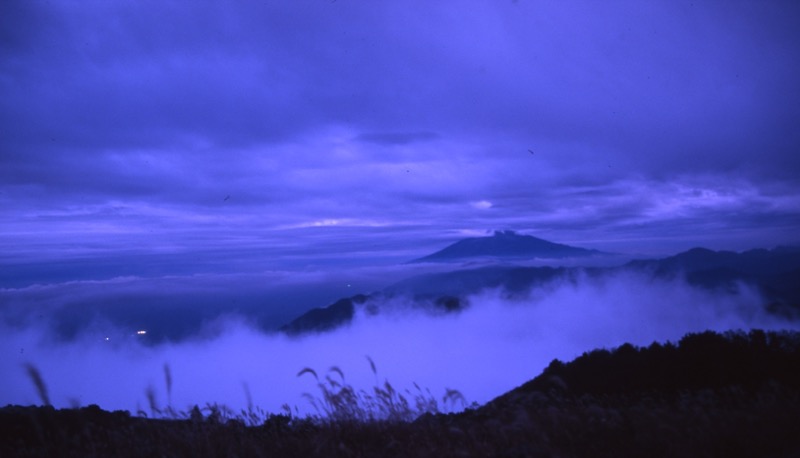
(506, 244)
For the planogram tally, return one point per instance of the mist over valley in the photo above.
(482, 330)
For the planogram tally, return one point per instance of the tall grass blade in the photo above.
(168, 383)
(38, 382)
(372, 365)
(308, 370)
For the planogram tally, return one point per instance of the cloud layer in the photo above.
(491, 347)
(228, 128)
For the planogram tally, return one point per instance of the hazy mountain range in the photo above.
(775, 274)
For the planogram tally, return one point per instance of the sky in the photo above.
(310, 130)
(227, 155)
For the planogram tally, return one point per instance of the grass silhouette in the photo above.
(744, 401)
(38, 382)
(340, 402)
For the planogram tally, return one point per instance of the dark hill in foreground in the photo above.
(709, 395)
(699, 361)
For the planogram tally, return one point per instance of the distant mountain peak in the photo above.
(506, 244)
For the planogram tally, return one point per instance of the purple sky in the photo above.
(166, 160)
(296, 133)
(392, 128)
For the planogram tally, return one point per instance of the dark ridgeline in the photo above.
(699, 361)
(434, 293)
(447, 291)
(759, 262)
(341, 312)
(775, 274)
(728, 395)
(325, 318)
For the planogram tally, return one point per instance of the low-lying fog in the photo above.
(491, 347)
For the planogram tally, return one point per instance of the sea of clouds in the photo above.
(494, 345)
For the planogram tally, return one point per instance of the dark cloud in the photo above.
(128, 124)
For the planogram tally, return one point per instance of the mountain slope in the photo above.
(758, 262)
(699, 361)
(506, 244)
(775, 274)
(325, 318)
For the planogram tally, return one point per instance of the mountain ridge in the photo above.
(774, 273)
(506, 244)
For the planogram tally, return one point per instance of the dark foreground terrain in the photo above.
(715, 395)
